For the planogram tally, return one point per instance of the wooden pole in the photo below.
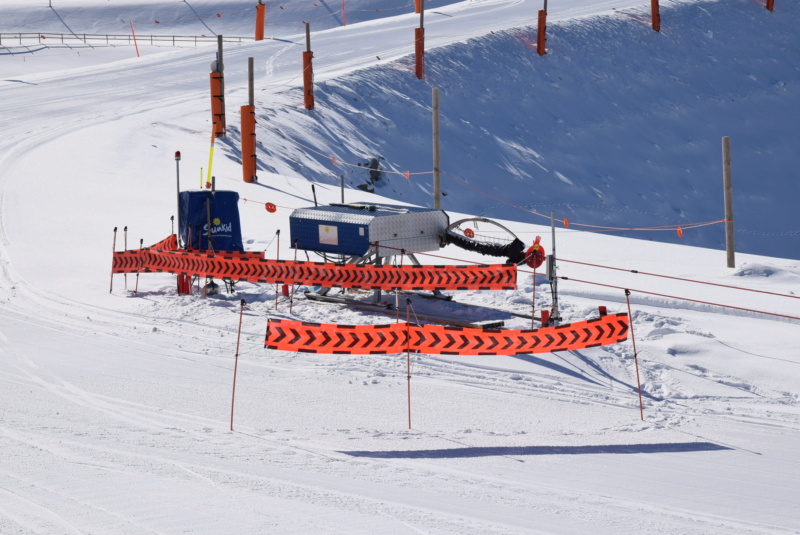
(437, 189)
(728, 190)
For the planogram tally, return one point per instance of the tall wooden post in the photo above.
(728, 187)
(419, 43)
(248, 116)
(655, 14)
(437, 189)
(308, 72)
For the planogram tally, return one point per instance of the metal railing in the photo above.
(89, 39)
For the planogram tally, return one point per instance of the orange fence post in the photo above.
(656, 16)
(541, 34)
(770, 4)
(261, 13)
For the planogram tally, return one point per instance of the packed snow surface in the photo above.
(118, 413)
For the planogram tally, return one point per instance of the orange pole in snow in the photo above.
(541, 33)
(656, 16)
(249, 143)
(217, 104)
(133, 32)
(261, 14)
(770, 4)
(308, 72)
(308, 80)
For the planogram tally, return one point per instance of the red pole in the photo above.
(408, 357)
(236, 362)
(134, 40)
(770, 4)
(261, 13)
(656, 16)
(291, 295)
(635, 358)
(541, 33)
(344, 14)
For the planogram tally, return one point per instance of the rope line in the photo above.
(635, 271)
(683, 298)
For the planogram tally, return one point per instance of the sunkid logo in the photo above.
(218, 227)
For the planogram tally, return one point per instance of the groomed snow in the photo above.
(116, 408)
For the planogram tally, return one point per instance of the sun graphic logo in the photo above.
(217, 221)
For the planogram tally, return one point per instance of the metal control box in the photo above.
(350, 229)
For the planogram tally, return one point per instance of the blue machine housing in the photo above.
(226, 229)
(351, 229)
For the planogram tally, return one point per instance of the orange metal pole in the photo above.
(770, 4)
(541, 33)
(261, 14)
(656, 16)
(217, 104)
(308, 80)
(249, 143)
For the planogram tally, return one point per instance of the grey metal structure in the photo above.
(367, 229)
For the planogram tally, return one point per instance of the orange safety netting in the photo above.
(164, 257)
(298, 336)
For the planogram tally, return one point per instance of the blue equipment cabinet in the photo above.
(222, 208)
(350, 229)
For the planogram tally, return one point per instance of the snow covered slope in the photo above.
(116, 408)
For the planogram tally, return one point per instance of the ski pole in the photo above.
(113, 250)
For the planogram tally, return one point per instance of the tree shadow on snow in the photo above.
(452, 453)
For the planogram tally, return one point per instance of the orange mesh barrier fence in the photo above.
(297, 336)
(253, 267)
